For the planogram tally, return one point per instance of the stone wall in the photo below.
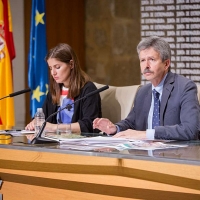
(111, 37)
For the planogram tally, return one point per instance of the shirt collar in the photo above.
(159, 87)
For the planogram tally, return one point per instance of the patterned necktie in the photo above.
(156, 110)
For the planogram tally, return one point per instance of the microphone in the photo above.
(39, 140)
(16, 93)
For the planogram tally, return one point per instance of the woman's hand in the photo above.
(51, 127)
(30, 126)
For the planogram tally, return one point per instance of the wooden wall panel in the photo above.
(65, 23)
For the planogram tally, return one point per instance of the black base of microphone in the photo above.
(40, 140)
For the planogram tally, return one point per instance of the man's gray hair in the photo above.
(158, 44)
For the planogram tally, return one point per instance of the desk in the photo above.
(49, 173)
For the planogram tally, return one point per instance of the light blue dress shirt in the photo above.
(159, 88)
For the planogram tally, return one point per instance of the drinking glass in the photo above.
(63, 128)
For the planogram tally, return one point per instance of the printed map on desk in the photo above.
(148, 145)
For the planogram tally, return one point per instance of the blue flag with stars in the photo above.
(38, 69)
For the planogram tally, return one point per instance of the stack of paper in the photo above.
(98, 143)
(92, 143)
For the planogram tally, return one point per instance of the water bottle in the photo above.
(39, 120)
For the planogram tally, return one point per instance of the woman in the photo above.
(68, 83)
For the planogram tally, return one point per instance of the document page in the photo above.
(17, 132)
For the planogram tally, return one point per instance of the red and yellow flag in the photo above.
(7, 53)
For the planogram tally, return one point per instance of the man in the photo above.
(167, 108)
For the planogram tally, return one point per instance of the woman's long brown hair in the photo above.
(78, 78)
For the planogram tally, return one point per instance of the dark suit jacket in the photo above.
(179, 111)
(85, 111)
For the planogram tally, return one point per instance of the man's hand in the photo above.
(131, 134)
(104, 125)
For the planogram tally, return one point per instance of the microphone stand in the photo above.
(39, 140)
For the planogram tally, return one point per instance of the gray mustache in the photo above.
(147, 71)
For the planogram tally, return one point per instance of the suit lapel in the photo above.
(167, 89)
